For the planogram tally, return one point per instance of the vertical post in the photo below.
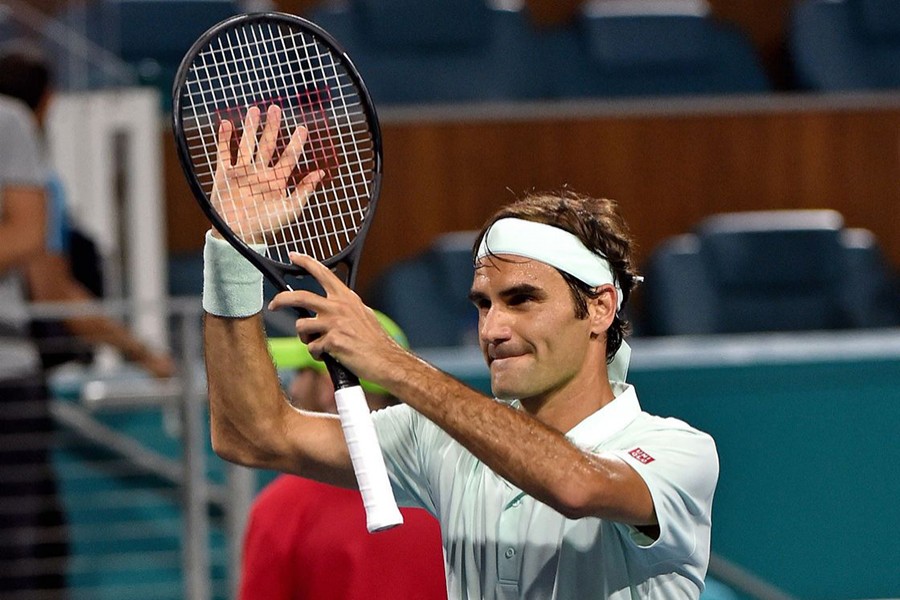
(195, 534)
(241, 488)
(138, 118)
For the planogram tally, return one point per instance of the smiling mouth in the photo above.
(502, 353)
(502, 358)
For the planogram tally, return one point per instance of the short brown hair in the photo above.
(24, 73)
(594, 221)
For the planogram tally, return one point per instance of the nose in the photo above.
(494, 325)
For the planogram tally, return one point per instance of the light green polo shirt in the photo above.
(500, 543)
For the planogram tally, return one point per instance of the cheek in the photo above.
(567, 341)
(299, 390)
(325, 395)
(313, 391)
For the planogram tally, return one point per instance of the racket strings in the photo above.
(258, 65)
(244, 47)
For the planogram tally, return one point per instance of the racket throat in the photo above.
(341, 376)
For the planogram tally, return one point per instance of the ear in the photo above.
(602, 309)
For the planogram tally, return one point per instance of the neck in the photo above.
(564, 408)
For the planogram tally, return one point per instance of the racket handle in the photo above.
(368, 462)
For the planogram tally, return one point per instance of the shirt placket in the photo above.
(509, 548)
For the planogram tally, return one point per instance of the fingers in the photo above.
(269, 137)
(262, 153)
(299, 299)
(332, 285)
(248, 137)
(223, 146)
(291, 154)
(323, 332)
(330, 282)
(307, 186)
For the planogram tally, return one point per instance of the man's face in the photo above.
(529, 335)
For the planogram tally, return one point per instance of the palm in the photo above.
(252, 195)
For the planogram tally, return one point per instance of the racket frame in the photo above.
(276, 271)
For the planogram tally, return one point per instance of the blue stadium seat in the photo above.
(769, 271)
(871, 293)
(677, 298)
(432, 51)
(428, 294)
(845, 44)
(774, 271)
(151, 35)
(622, 48)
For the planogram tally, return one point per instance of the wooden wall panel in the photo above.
(667, 171)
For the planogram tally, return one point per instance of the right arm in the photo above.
(251, 421)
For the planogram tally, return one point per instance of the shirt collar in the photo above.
(609, 420)
(599, 426)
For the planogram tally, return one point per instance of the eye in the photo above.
(519, 299)
(481, 303)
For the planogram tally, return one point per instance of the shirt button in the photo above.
(516, 503)
(510, 552)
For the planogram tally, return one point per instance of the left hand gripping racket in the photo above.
(280, 143)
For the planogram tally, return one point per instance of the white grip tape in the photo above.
(368, 462)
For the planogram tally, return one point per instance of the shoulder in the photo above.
(669, 451)
(22, 164)
(15, 116)
(678, 462)
(401, 419)
(661, 429)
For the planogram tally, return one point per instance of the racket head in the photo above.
(259, 59)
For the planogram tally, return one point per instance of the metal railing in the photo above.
(149, 511)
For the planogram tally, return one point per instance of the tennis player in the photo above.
(558, 487)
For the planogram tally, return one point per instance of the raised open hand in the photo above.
(252, 194)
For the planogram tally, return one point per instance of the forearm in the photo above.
(246, 402)
(251, 421)
(103, 330)
(16, 249)
(50, 280)
(519, 448)
(22, 226)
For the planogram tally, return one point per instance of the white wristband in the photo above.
(232, 286)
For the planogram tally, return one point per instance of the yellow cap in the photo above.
(291, 353)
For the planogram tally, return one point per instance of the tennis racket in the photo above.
(280, 143)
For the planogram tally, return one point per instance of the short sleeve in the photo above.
(20, 159)
(57, 220)
(399, 430)
(680, 466)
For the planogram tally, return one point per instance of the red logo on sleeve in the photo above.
(641, 456)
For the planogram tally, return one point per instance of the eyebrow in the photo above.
(516, 290)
